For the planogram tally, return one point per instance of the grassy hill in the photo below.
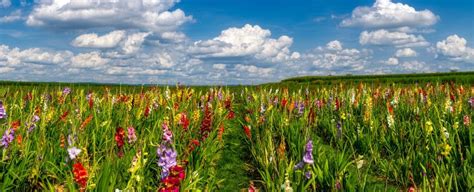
(460, 77)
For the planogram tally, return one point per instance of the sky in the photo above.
(218, 42)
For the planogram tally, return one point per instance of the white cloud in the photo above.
(133, 42)
(254, 70)
(456, 49)
(415, 66)
(165, 60)
(133, 71)
(14, 16)
(246, 41)
(148, 15)
(5, 3)
(174, 36)
(391, 61)
(334, 45)
(92, 40)
(334, 57)
(16, 57)
(385, 13)
(406, 52)
(6, 69)
(218, 66)
(88, 60)
(395, 38)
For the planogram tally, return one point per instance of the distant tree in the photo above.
(453, 70)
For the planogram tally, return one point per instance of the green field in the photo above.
(339, 133)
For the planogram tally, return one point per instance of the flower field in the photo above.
(341, 137)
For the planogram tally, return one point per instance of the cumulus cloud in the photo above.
(6, 69)
(395, 38)
(391, 61)
(254, 70)
(133, 42)
(385, 13)
(88, 60)
(92, 40)
(133, 71)
(14, 16)
(252, 41)
(456, 49)
(415, 66)
(5, 3)
(16, 57)
(406, 52)
(218, 66)
(148, 15)
(334, 57)
(176, 37)
(334, 45)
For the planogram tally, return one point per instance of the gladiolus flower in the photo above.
(119, 134)
(73, 152)
(80, 175)
(3, 112)
(132, 137)
(446, 149)
(466, 120)
(247, 131)
(7, 138)
(184, 121)
(66, 91)
(308, 157)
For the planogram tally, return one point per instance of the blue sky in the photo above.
(230, 42)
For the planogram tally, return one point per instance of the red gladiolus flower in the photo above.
(119, 135)
(147, 111)
(194, 143)
(15, 125)
(283, 102)
(227, 104)
(231, 115)
(64, 115)
(91, 102)
(247, 131)
(173, 180)
(338, 104)
(206, 123)
(80, 175)
(184, 121)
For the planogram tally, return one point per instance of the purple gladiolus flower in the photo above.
(35, 119)
(308, 156)
(66, 91)
(73, 152)
(307, 174)
(7, 137)
(167, 159)
(3, 112)
(32, 125)
(301, 108)
(299, 165)
(219, 95)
